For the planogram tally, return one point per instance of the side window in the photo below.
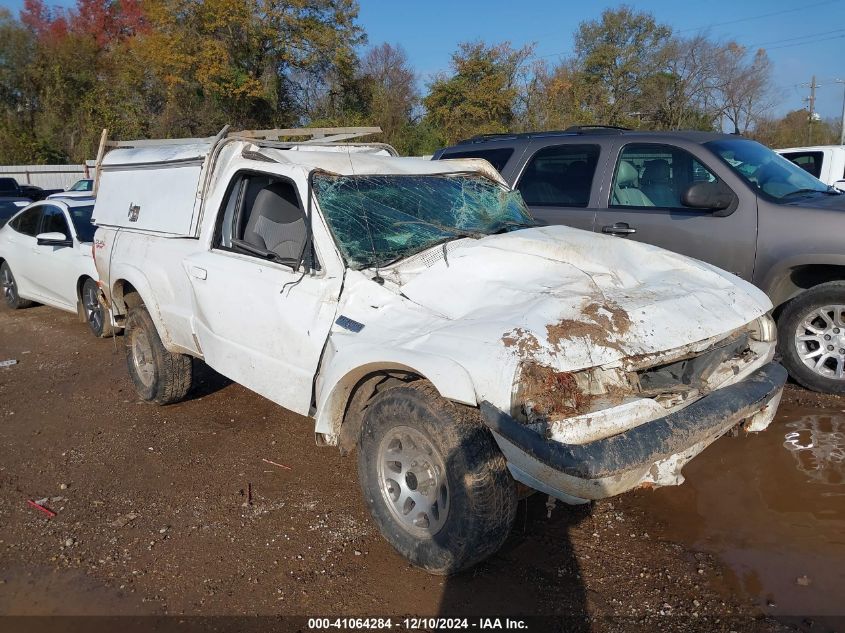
(54, 222)
(650, 175)
(262, 216)
(497, 157)
(28, 222)
(810, 162)
(560, 176)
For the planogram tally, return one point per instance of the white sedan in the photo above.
(46, 257)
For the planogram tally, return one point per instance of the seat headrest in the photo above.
(627, 175)
(273, 202)
(656, 170)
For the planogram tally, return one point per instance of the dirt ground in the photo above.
(174, 510)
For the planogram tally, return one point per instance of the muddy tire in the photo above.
(811, 338)
(9, 287)
(96, 316)
(158, 375)
(434, 479)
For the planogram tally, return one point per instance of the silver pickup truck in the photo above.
(416, 312)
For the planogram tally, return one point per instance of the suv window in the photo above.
(497, 157)
(560, 176)
(810, 162)
(54, 222)
(262, 216)
(650, 175)
(28, 222)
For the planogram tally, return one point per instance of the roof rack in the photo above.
(278, 138)
(575, 129)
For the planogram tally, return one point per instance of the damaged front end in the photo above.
(600, 432)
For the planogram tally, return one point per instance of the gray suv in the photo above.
(720, 198)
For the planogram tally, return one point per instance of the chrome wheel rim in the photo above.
(820, 341)
(93, 309)
(7, 281)
(142, 358)
(412, 478)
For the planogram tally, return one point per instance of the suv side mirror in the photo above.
(53, 238)
(709, 196)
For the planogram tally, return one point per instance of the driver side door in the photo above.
(644, 204)
(260, 319)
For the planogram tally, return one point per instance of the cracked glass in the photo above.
(377, 220)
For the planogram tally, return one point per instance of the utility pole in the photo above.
(812, 102)
(842, 123)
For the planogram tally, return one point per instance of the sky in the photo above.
(802, 37)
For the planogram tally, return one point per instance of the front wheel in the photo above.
(158, 375)
(96, 316)
(811, 338)
(10, 289)
(434, 479)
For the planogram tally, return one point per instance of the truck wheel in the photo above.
(10, 289)
(95, 314)
(158, 375)
(811, 337)
(433, 478)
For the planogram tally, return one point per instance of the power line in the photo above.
(824, 39)
(799, 37)
(758, 17)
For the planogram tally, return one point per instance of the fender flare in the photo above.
(777, 283)
(139, 281)
(345, 371)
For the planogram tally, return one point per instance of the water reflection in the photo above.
(818, 444)
(771, 506)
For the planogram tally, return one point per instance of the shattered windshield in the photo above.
(377, 220)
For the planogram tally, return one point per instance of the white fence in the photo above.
(47, 176)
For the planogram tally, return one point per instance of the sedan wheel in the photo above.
(96, 315)
(9, 287)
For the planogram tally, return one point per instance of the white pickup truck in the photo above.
(415, 311)
(825, 162)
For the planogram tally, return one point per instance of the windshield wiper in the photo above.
(805, 190)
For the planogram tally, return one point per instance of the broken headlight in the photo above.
(764, 329)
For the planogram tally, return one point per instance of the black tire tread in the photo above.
(830, 292)
(106, 331)
(174, 371)
(490, 490)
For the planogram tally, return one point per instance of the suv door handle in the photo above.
(199, 273)
(620, 228)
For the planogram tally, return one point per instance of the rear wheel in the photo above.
(811, 337)
(158, 375)
(434, 479)
(10, 289)
(96, 316)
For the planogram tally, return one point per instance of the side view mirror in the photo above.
(709, 196)
(839, 184)
(53, 239)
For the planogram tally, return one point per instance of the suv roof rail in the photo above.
(574, 129)
(278, 137)
(596, 129)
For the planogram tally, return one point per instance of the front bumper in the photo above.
(651, 454)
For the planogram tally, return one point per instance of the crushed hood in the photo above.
(566, 298)
(589, 298)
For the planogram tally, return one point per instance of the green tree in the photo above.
(481, 96)
(616, 55)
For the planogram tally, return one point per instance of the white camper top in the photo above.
(160, 188)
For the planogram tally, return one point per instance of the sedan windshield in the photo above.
(82, 185)
(377, 220)
(766, 171)
(81, 217)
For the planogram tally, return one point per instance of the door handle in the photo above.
(199, 273)
(620, 228)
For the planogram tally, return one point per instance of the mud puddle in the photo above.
(772, 507)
